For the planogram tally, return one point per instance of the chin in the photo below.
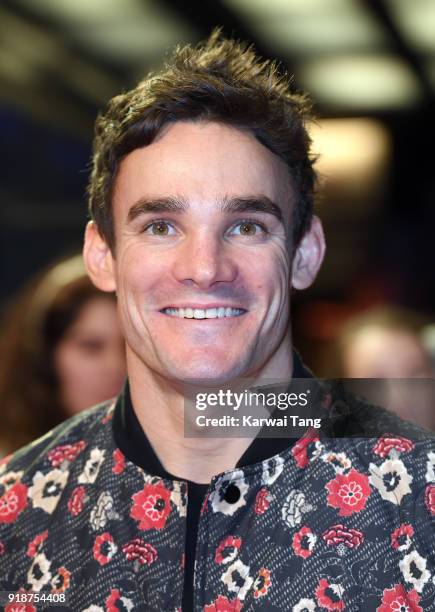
(204, 372)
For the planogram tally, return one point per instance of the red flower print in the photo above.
(12, 502)
(35, 545)
(429, 498)
(104, 548)
(338, 534)
(348, 492)
(116, 602)
(222, 604)
(329, 595)
(61, 580)
(261, 501)
(2, 548)
(300, 449)
(204, 504)
(398, 599)
(67, 452)
(401, 537)
(151, 506)
(19, 607)
(115, 596)
(303, 542)
(141, 551)
(388, 442)
(119, 460)
(77, 501)
(227, 550)
(262, 583)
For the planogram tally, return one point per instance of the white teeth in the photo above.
(211, 313)
(203, 313)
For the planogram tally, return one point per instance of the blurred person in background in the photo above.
(61, 351)
(386, 343)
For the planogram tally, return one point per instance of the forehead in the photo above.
(202, 162)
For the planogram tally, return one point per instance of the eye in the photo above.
(248, 228)
(159, 228)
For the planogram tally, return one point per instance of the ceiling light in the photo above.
(360, 82)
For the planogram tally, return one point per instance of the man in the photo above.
(201, 197)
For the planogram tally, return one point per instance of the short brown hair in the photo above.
(220, 80)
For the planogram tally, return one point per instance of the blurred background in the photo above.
(369, 66)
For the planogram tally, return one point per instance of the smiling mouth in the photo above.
(204, 313)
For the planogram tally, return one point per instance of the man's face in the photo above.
(202, 265)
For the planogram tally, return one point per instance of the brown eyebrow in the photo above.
(243, 204)
(252, 204)
(160, 205)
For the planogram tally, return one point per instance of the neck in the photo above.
(159, 406)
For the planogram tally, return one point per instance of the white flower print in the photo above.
(339, 461)
(92, 467)
(294, 507)
(178, 498)
(413, 568)
(127, 603)
(391, 480)
(217, 497)
(304, 605)
(39, 574)
(102, 511)
(318, 450)
(123, 603)
(237, 579)
(93, 609)
(272, 469)
(430, 465)
(10, 478)
(148, 478)
(46, 489)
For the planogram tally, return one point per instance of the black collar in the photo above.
(134, 444)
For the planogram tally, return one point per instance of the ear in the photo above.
(308, 256)
(98, 259)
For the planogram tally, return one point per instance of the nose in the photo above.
(204, 260)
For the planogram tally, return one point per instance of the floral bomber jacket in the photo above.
(331, 523)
